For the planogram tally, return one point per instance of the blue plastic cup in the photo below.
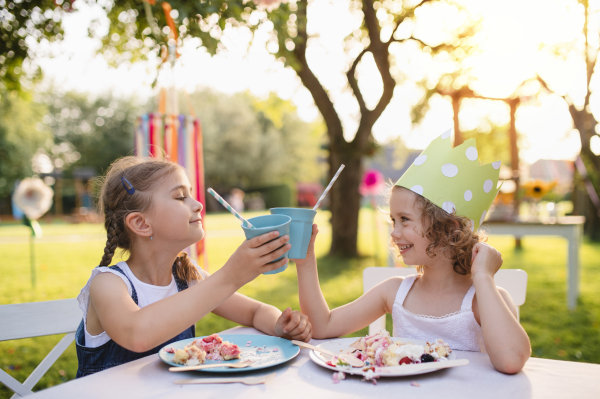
(300, 229)
(266, 224)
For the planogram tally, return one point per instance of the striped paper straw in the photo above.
(229, 208)
(328, 187)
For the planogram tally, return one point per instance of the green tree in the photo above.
(24, 24)
(89, 132)
(136, 27)
(584, 51)
(21, 135)
(250, 142)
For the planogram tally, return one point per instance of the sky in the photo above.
(513, 31)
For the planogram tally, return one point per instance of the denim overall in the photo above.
(110, 354)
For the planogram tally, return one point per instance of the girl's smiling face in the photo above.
(174, 213)
(407, 233)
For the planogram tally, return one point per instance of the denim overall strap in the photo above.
(181, 285)
(111, 354)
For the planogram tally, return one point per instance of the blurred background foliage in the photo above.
(21, 135)
(249, 142)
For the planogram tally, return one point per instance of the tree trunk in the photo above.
(582, 203)
(586, 123)
(456, 100)
(345, 202)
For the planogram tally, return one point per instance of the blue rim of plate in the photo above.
(285, 352)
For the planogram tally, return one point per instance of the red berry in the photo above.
(405, 360)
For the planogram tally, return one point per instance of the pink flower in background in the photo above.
(372, 182)
(270, 5)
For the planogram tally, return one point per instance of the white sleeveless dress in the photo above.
(460, 330)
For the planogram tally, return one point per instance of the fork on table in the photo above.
(229, 380)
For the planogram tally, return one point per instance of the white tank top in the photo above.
(147, 295)
(460, 330)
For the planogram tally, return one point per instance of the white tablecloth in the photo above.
(301, 378)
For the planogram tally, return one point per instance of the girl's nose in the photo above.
(396, 233)
(198, 206)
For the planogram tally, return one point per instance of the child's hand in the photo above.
(293, 325)
(310, 254)
(253, 256)
(486, 260)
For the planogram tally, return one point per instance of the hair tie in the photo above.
(130, 190)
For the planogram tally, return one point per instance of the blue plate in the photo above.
(273, 351)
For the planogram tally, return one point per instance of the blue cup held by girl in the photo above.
(266, 224)
(300, 229)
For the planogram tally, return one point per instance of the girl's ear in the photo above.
(137, 224)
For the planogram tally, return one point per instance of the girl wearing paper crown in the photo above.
(436, 208)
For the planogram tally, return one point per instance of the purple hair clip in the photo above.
(130, 190)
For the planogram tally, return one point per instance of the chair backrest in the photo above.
(35, 319)
(514, 281)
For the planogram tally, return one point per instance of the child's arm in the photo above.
(266, 318)
(142, 329)
(505, 339)
(348, 318)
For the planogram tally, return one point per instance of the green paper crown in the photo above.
(453, 179)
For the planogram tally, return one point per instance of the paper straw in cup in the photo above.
(328, 187)
(229, 208)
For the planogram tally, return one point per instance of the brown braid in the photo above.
(112, 237)
(186, 270)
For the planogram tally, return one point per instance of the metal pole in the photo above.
(375, 229)
(32, 255)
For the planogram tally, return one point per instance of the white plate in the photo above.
(337, 345)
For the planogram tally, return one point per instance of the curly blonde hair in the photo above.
(115, 203)
(448, 231)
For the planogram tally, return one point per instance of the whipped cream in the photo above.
(411, 351)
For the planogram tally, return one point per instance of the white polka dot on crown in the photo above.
(468, 195)
(449, 206)
(482, 217)
(496, 164)
(449, 170)
(446, 134)
(487, 185)
(472, 223)
(471, 153)
(417, 189)
(420, 159)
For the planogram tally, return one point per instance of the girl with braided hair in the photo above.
(134, 308)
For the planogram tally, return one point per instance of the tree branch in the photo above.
(371, 23)
(401, 18)
(434, 48)
(311, 82)
(547, 87)
(354, 82)
(380, 53)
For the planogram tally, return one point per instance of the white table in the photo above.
(569, 227)
(301, 378)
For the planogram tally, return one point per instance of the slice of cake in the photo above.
(201, 349)
(379, 350)
(229, 351)
(209, 343)
(375, 345)
(438, 349)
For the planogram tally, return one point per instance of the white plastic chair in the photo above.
(36, 319)
(514, 281)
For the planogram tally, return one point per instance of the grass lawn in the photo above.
(64, 264)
